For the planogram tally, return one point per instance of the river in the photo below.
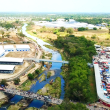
(39, 85)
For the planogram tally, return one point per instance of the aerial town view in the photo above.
(54, 55)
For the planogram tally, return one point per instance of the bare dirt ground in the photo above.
(23, 54)
(2, 95)
(12, 37)
(18, 69)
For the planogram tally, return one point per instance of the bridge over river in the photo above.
(46, 60)
(33, 96)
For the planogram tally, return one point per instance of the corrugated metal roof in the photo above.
(8, 47)
(22, 46)
(1, 47)
(2, 51)
(10, 59)
(7, 67)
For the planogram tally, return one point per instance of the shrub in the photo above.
(70, 30)
(37, 71)
(56, 31)
(81, 29)
(16, 81)
(93, 37)
(34, 33)
(94, 28)
(62, 29)
(30, 76)
(4, 82)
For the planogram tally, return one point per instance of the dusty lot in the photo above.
(9, 37)
(23, 54)
(18, 69)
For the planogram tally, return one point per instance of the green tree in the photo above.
(30, 76)
(81, 29)
(62, 29)
(2, 32)
(4, 82)
(16, 81)
(67, 105)
(37, 71)
(94, 28)
(70, 30)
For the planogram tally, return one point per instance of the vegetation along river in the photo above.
(39, 85)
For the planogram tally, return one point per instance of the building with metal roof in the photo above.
(2, 52)
(9, 48)
(1, 47)
(7, 68)
(11, 61)
(22, 47)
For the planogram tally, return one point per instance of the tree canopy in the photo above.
(79, 52)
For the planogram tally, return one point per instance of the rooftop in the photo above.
(2, 51)
(22, 46)
(1, 47)
(7, 67)
(10, 59)
(8, 46)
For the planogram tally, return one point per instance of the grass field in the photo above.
(100, 37)
(54, 90)
(26, 85)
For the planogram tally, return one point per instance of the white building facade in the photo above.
(9, 48)
(22, 47)
(7, 68)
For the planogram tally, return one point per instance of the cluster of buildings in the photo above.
(102, 74)
(7, 64)
(15, 18)
(11, 48)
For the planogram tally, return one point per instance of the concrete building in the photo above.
(7, 68)
(2, 52)
(11, 61)
(1, 47)
(22, 48)
(9, 47)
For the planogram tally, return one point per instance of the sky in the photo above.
(55, 6)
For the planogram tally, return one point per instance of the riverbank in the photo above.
(53, 89)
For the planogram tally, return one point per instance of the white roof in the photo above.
(1, 47)
(8, 46)
(2, 51)
(10, 59)
(107, 47)
(7, 67)
(22, 46)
